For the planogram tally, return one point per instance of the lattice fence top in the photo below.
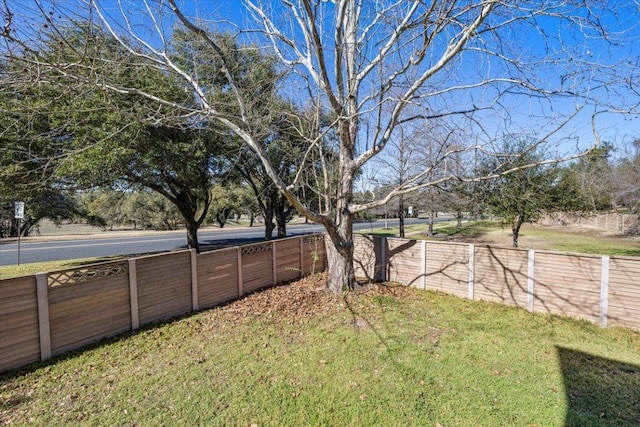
(260, 247)
(87, 273)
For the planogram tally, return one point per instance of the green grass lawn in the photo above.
(39, 267)
(297, 356)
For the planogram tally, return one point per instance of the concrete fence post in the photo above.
(383, 260)
(423, 263)
(531, 279)
(195, 304)
(42, 293)
(472, 270)
(604, 291)
(133, 294)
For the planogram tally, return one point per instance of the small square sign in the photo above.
(19, 210)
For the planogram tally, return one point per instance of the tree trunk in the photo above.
(192, 235)
(268, 212)
(339, 248)
(281, 224)
(515, 231)
(282, 215)
(431, 218)
(221, 219)
(268, 224)
(341, 275)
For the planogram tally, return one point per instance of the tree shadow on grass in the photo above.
(600, 392)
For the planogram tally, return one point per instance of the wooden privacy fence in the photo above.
(602, 289)
(51, 313)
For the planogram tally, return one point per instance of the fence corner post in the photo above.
(195, 305)
(604, 291)
(472, 270)
(383, 259)
(42, 294)
(133, 294)
(531, 279)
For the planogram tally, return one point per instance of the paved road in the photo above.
(54, 249)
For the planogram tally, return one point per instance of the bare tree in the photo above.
(487, 64)
(419, 145)
(625, 178)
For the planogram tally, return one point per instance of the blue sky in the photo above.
(588, 47)
(519, 112)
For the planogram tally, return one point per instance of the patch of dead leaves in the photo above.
(307, 298)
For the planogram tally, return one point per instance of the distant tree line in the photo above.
(102, 158)
(605, 179)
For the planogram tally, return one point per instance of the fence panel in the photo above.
(287, 259)
(367, 256)
(404, 261)
(447, 268)
(568, 284)
(217, 277)
(257, 266)
(87, 304)
(164, 286)
(19, 332)
(501, 276)
(624, 292)
(314, 254)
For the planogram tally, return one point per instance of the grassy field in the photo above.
(296, 355)
(38, 267)
(564, 239)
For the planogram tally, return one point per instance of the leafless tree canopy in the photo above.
(367, 73)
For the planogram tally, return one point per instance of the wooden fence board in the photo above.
(501, 276)
(366, 257)
(404, 261)
(19, 336)
(314, 254)
(84, 312)
(10, 321)
(257, 266)
(24, 332)
(287, 259)
(624, 292)
(447, 268)
(15, 305)
(19, 355)
(568, 284)
(217, 277)
(164, 286)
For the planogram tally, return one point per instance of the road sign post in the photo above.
(19, 215)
